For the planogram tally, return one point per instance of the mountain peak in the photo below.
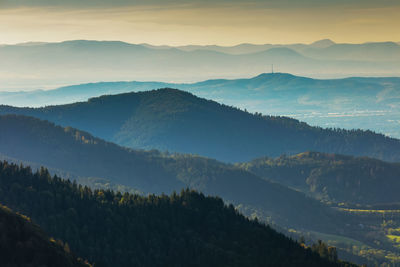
(281, 51)
(274, 75)
(279, 76)
(156, 94)
(324, 43)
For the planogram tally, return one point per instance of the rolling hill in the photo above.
(364, 103)
(177, 121)
(336, 178)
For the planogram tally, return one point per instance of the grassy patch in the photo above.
(394, 238)
(337, 239)
(369, 211)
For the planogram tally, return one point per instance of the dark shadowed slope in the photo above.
(114, 229)
(24, 244)
(177, 121)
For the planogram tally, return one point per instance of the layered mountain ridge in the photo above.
(364, 103)
(46, 65)
(78, 154)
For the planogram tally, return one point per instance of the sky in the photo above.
(182, 22)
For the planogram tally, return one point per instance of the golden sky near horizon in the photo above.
(200, 22)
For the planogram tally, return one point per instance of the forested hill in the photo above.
(32, 140)
(114, 229)
(24, 244)
(74, 152)
(177, 121)
(337, 178)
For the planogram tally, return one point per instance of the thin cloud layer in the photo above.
(179, 22)
(165, 3)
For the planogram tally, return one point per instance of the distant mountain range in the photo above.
(177, 121)
(365, 103)
(47, 65)
(322, 49)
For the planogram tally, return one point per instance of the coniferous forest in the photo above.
(22, 243)
(113, 229)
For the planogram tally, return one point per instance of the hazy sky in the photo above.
(178, 22)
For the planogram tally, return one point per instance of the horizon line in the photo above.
(194, 44)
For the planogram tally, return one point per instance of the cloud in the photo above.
(201, 3)
(179, 22)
